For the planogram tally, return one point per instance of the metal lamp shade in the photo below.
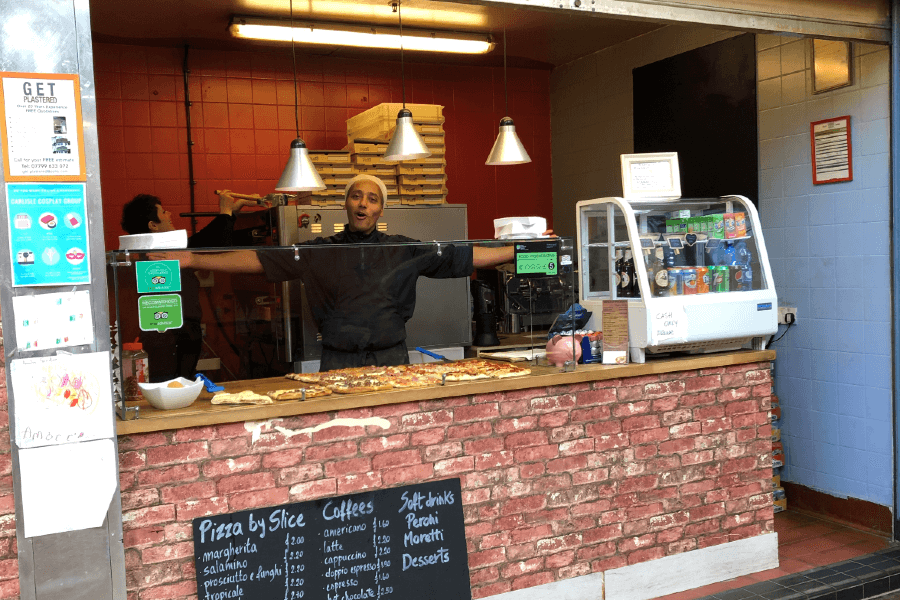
(406, 143)
(507, 150)
(299, 174)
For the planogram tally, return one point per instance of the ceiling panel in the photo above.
(537, 37)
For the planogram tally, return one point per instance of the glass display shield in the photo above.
(258, 312)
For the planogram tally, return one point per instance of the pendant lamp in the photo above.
(299, 173)
(507, 150)
(406, 143)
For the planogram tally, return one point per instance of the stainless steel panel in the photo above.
(55, 37)
(442, 316)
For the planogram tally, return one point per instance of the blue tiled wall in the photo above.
(830, 252)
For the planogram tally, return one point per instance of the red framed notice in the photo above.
(832, 155)
(41, 134)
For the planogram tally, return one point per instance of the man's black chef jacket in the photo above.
(361, 298)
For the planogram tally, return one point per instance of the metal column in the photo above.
(895, 249)
(54, 36)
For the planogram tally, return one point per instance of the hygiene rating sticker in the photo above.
(158, 313)
(155, 276)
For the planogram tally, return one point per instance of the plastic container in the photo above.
(135, 369)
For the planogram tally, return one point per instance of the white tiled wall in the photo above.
(591, 115)
(830, 252)
(829, 244)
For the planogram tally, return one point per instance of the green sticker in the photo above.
(155, 276)
(158, 313)
(543, 263)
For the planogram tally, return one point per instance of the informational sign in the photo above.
(615, 332)
(159, 313)
(669, 324)
(62, 399)
(53, 320)
(67, 488)
(831, 150)
(157, 276)
(539, 258)
(42, 131)
(651, 175)
(48, 237)
(393, 544)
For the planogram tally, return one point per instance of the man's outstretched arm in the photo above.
(239, 261)
(489, 257)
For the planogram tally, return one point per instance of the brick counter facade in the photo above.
(557, 482)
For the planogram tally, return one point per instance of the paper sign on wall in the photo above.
(42, 131)
(62, 399)
(48, 237)
(67, 488)
(53, 320)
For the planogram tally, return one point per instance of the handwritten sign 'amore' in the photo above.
(392, 544)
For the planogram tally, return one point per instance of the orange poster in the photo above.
(42, 133)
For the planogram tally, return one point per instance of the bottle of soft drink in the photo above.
(619, 260)
(628, 283)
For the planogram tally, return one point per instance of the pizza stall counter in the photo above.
(565, 477)
(202, 412)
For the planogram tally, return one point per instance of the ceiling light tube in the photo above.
(334, 34)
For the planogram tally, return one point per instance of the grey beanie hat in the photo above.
(371, 178)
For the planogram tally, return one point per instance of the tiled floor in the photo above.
(804, 542)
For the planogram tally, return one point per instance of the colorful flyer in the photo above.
(62, 399)
(53, 320)
(48, 237)
(157, 276)
(42, 130)
(158, 313)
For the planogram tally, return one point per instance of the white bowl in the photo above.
(159, 395)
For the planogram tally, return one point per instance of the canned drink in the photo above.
(719, 279)
(702, 280)
(690, 280)
(735, 278)
(676, 281)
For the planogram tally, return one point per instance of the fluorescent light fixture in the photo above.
(361, 36)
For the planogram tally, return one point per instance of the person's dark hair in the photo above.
(139, 212)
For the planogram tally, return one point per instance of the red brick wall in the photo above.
(557, 482)
(242, 122)
(9, 562)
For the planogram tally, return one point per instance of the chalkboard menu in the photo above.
(392, 544)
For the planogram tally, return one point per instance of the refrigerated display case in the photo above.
(695, 272)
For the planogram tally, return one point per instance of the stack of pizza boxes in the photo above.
(335, 169)
(419, 181)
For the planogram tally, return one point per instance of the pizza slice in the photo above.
(360, 385)
(245, 397)
(312, 391)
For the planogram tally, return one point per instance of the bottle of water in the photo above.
(728, 254)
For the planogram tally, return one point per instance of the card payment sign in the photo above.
(537, 259)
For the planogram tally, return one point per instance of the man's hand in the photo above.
(230, 203)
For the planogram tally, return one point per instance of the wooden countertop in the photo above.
(202, 412)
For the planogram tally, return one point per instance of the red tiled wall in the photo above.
(557, 482)
(242, 122)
